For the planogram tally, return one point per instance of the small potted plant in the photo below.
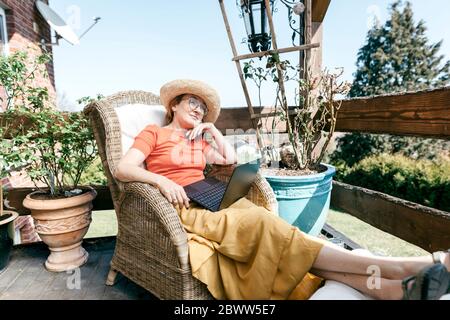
(61, 147)
(55, 149)
(9, 160)
(6, 219)
(294, 169)
(11, 72)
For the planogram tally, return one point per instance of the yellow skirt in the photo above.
(245, 252)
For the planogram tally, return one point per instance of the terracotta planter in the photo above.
(62, 224)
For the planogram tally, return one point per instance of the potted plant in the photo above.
(11, 72)
(62, 147)
(55, 149)
(301, 182)
(6, 243)
(6, 219)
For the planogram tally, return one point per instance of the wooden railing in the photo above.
(425, 227)
(425, 114)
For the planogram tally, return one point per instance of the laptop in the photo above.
(216, 195)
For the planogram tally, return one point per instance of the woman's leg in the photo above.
(377, 288)
(336, 259)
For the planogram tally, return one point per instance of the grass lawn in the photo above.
(368, 237)
(104, 224)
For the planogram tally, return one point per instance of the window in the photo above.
(3, 33)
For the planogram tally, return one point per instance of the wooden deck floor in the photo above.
(27, 279)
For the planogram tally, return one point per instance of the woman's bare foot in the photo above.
(431, 283)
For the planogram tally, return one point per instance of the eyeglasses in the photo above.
(194, 104)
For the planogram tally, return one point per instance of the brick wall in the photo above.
(22, 17)
(26, 28)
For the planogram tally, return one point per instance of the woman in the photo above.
(244, 252)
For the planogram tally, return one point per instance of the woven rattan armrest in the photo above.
(166, 214)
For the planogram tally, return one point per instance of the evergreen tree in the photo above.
(397, 57)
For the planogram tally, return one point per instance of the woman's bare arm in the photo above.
(128, 170)
(224, 149)
(224, 153)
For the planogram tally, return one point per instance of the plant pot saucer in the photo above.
(12, 216)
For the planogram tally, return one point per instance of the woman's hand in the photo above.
(224, 153)
(200, 129)
(174, 193)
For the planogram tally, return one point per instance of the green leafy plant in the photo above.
(311, 123)
(94, 174)
(59, 148)
(55, 148)
(17, 74)
(421, 181)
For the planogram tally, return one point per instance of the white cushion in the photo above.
(333, 290)
(133, 118)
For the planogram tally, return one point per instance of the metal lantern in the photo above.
(256, 24)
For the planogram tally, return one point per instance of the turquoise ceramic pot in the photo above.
(304, 201)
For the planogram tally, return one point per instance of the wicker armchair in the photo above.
(151, 246)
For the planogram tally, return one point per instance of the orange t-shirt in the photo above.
(169, 153)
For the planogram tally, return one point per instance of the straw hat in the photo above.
(173, 89)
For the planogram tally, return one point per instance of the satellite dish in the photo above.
(63, 31)
(57, 23)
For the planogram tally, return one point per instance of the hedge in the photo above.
(421, 181)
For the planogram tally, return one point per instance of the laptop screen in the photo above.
(240, 183)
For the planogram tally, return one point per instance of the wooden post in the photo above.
(301, 41)
(317, 53)
(308, 36)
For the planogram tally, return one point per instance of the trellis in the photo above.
(306, 47)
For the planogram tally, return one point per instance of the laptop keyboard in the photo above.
(211, 197)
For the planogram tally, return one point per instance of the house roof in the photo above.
(319, 10)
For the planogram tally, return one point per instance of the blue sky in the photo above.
(141, 44)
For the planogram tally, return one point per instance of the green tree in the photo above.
(397, 57)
